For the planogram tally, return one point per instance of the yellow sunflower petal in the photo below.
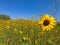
(46, 16)
(52, 18)
(46, 27)
(52, 23)
(42, 19)
(51, 26)
(40, 22)
(43, 29)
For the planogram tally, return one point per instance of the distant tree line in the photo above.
(4, 17)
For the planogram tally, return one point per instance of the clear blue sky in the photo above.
(27, 8)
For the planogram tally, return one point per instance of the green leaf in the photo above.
(51, 42)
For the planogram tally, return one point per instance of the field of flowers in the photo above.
(27, 32)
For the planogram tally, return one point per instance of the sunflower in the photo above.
(47, 22)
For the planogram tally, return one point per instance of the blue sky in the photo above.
(27, 8)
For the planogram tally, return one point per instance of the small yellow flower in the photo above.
(15, 30)
(25, 38)
(47, 22)
(20, 32)
(7, 26)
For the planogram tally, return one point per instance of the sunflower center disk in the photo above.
(46, 22)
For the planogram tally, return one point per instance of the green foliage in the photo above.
(50, 42)
(4, 17)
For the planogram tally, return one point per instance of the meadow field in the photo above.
(27, 32)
